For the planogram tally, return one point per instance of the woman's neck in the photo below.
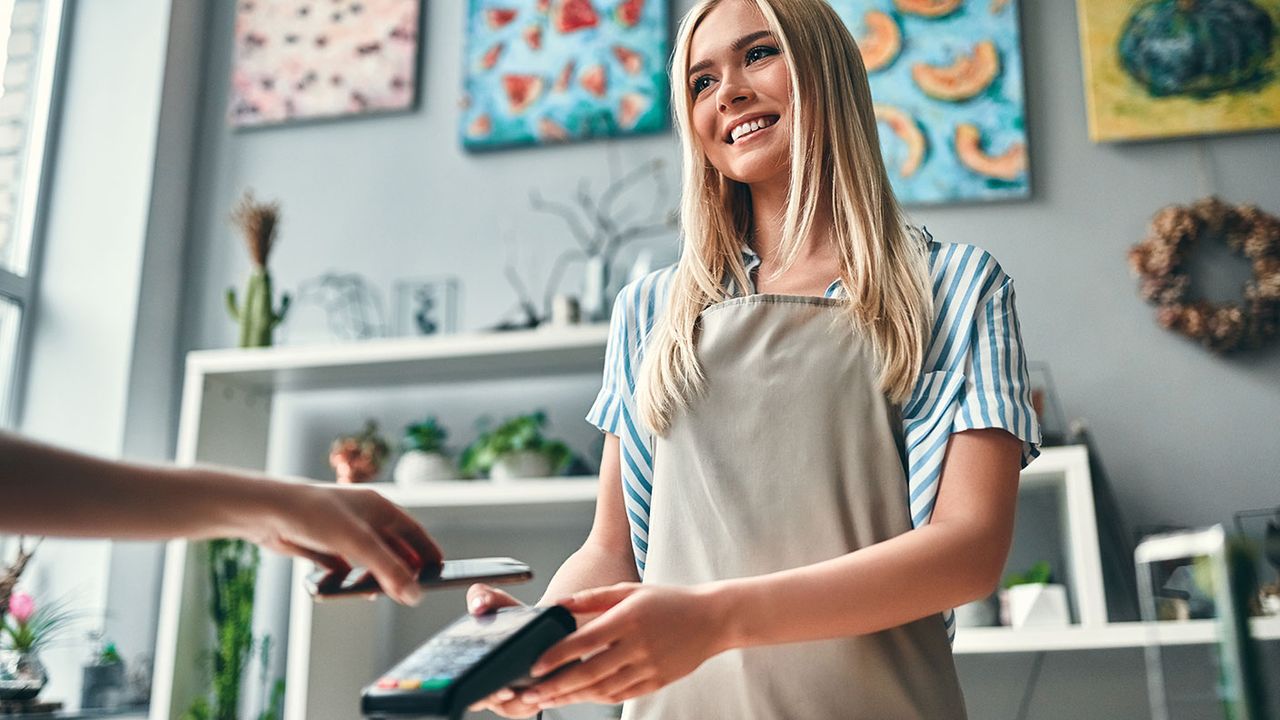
(768, 207)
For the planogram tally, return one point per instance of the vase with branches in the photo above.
(601, 224)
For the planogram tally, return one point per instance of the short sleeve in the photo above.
(997, 389)
(606, 411)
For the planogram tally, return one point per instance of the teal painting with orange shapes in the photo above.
(550, 71)
(947, 83)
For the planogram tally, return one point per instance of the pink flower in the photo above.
(22, 606)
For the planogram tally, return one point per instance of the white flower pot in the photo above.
(416, 467)
(979, 613)
(1038, 604)
(520, 464)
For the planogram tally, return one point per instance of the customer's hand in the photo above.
(338, 528)
(483, 599)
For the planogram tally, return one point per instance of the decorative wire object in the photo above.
(353, 308)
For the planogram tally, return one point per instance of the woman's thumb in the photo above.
(596, 600)
(482, 598)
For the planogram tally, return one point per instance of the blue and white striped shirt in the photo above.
(975, 376)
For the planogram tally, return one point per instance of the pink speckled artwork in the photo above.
(312, 59)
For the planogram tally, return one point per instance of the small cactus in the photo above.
(258, 321)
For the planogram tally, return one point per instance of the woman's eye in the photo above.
(701, 83)
(760, 52)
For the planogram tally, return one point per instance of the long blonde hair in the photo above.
(835, 149)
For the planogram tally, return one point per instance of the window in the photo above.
(29, 31)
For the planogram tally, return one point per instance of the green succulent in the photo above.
(1037, 574)
(426, 436)
(523, 432)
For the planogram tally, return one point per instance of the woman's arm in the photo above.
(649, 636)
(606, 557)
(50, 491)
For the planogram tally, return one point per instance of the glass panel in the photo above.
(21, 32)
(1200, 577)
(10, 321)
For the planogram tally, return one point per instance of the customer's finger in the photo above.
(335, 564)
(397, 579)
(411, 532)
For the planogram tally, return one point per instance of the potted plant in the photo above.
(1032, 598)
(423, 459)
(358, 458)
(516, 449)
(26, 629)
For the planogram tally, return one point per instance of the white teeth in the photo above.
(750, 127)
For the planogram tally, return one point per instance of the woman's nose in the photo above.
(732, 92)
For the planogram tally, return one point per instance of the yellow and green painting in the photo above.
(1166, 68)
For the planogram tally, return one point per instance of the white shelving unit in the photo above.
(334, 648)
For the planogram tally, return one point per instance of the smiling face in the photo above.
(740, 94)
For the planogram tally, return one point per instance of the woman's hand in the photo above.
(644, 638)
(483, 599)
(338, 528)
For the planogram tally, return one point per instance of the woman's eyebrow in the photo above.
(738, 45)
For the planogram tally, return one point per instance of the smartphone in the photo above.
(452, 573)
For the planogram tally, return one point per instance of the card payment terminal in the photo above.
(466, 662)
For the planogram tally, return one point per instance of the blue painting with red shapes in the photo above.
(549, 71)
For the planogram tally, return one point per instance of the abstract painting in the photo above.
(312, 59)
(1165, 68)
(946, 79)
(544, 71)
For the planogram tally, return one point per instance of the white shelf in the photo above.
(486, 493)
(977, 640)
(398, 361)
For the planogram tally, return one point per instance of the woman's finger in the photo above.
(505, 703)
(608, 690)
(579, 677)
(585, 641)
(597, 600)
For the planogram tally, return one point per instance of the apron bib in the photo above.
(792, 456)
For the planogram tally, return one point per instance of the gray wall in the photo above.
(1187, 437)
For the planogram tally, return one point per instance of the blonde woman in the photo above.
(814, 421)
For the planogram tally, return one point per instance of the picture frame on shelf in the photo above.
(426, 306)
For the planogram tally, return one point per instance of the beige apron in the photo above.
(792, 456)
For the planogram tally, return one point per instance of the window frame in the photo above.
(30, 220)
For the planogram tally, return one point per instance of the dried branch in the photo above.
(628, 180)
(592, 211)
(553, 278)
(566, 213)
(9, 580)
(522, 292)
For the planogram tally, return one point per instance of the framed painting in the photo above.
(946, 78)
(546, 71)
(1167, 68)
(299, 60)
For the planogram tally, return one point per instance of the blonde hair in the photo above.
(835, 149)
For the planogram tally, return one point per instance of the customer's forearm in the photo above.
(51, 491)
(590, 567)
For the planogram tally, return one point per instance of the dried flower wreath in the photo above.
(1160, 260)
